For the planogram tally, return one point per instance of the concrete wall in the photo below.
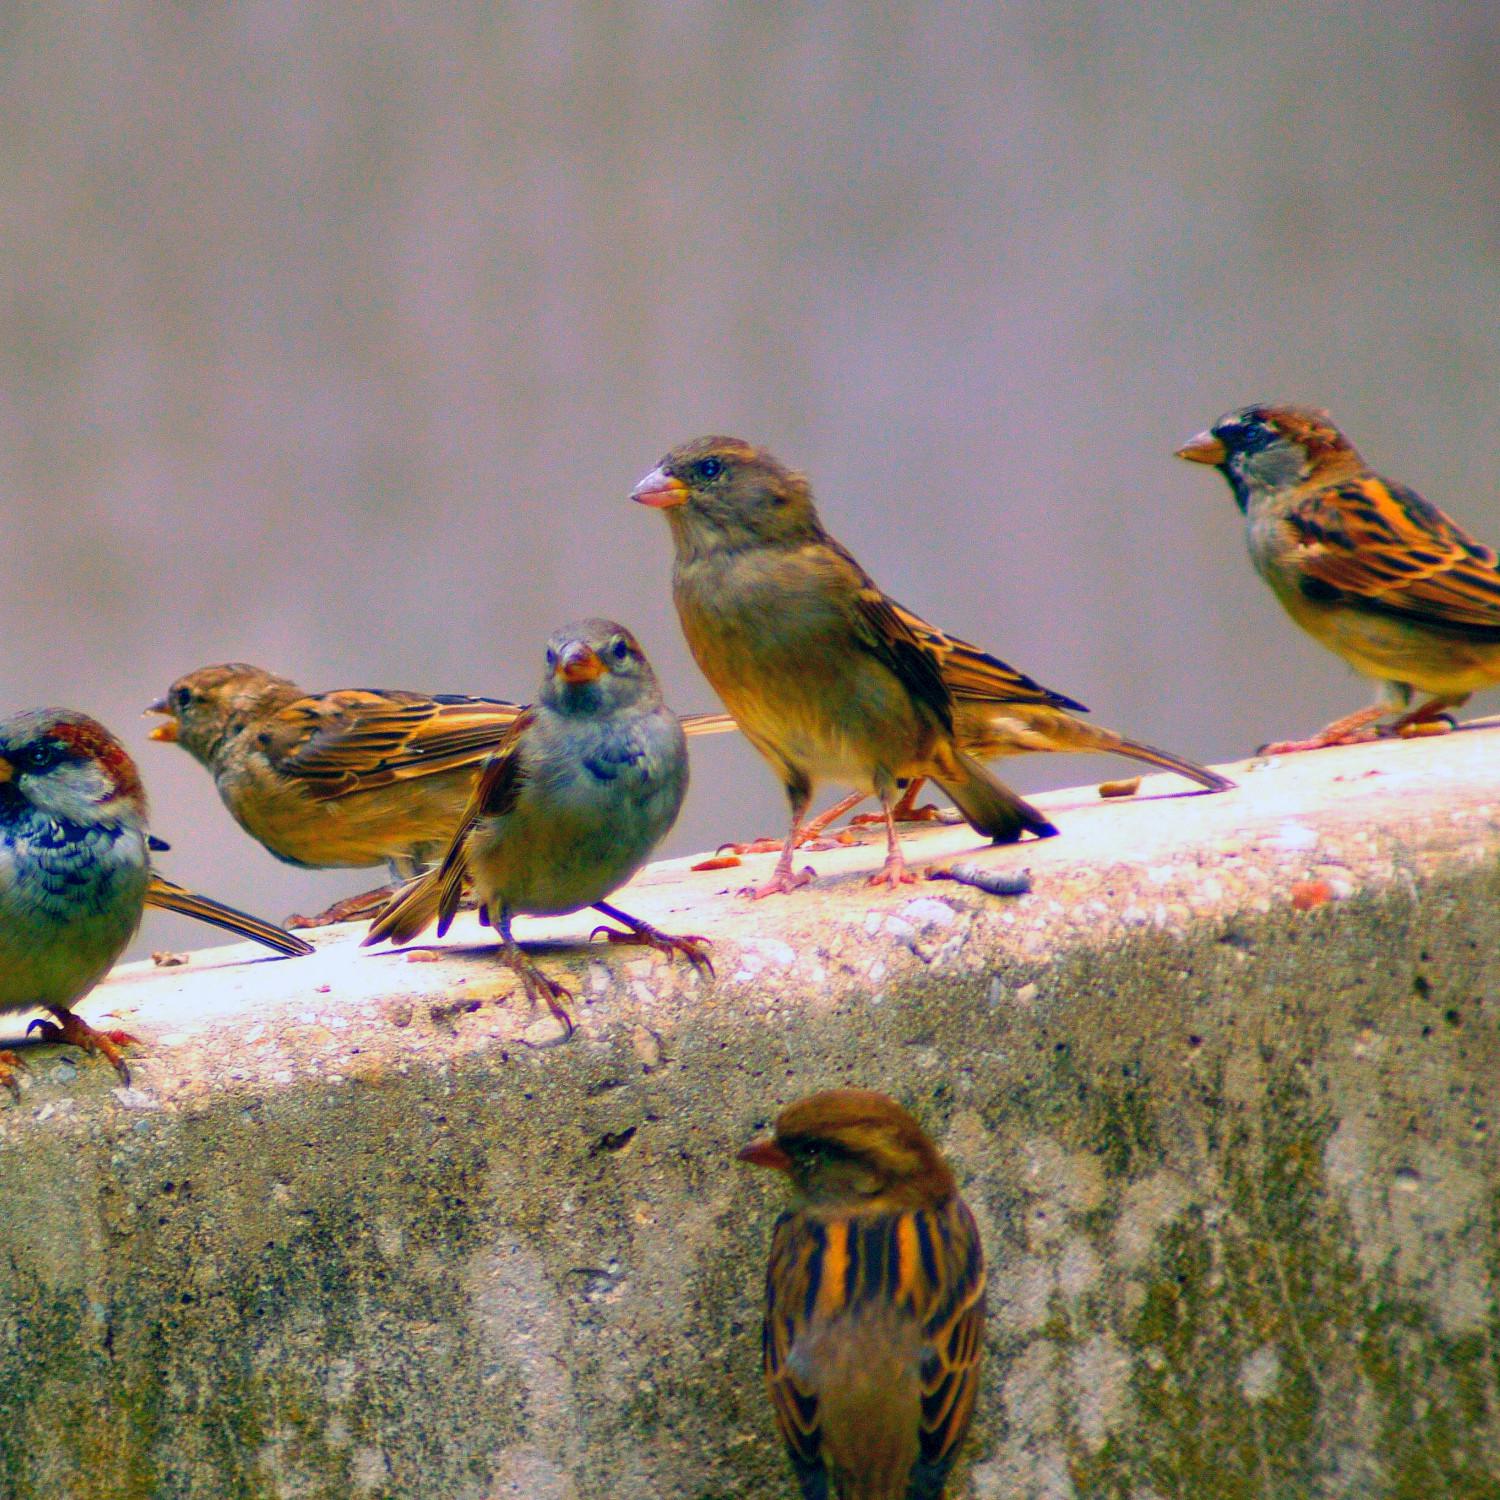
(350, 1235)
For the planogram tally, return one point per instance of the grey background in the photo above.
(334, 338)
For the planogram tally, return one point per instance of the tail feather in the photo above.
(989, 805)
(167, 895)
(412, 909)
(1015, 728)
(1116, 744)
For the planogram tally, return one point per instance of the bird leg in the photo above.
(783, 880)
(350, 909)
(76, 1032)
(906, 810)
(893, 872)
(10, 1064)
(692, 948)
(537, 985)
(1352, 729)
(809, 833)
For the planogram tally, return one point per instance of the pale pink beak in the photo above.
(660, 490)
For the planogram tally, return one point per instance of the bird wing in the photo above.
(495, 792)
(167, 895)
(972, 673)
(437, 893)
(1387, 548)
(927, 1261)
(953, 1340)
(358, 739)
(883, 629)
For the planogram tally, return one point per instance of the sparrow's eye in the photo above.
(619, 650)
(181, 697)
(41, 756)
(708, 468)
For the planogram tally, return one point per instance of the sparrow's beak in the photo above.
(1203, 449)
(579, 663)
(166, 733)
(767, 1153)
(660, 490)
(7, 771)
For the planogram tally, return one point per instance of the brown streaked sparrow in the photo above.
(1362, 563)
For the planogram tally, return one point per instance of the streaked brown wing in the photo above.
(954, 1336)
(167, 895)
(358, 739)
(972, 673)
(883, 630)
(495, 791)
(792, 1280)
(1385, 546)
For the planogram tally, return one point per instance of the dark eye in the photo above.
(41, 756)
(551, 657)
(620, 649)
(708, 468)
(181, 697)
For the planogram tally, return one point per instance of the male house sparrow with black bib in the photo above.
(586, 784)
(1363, 564)
(75, 874)
(343, 779)
(874, 1319)
(830, 678)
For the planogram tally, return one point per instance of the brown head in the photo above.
(856, 1151)
(206, 709)
(722, 494)
(1263, 449)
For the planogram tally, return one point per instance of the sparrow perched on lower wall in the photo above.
(1363, 564)
(587, 782)
(874, 1323)
(830, 678)
(344, 779)
(75, 874)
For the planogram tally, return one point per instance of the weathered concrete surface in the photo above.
(1235, 1164)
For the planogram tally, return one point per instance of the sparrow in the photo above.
(75, 875)
(1362, 563)
(874, 1320)
(829, 677)
(343, 779)
(585, 784)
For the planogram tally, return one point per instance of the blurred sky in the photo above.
(335, 337)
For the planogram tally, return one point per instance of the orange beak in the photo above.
(767, 1153)
(579, 663)
(1203, 449)
(165, 734)
(660, 490)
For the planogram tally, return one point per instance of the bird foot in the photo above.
(10, 1065)
(540, 989)
(351, 909)
(76, 1032)
(781, 883)
(893, 874)
(929, 812)
(690, 946)
(1321, 741)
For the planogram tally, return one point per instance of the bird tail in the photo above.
(413, 908)
(989, 805)
(1012, 728)
(1117, 744)
(166, 895)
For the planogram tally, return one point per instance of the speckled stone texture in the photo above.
(1222, 1092)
